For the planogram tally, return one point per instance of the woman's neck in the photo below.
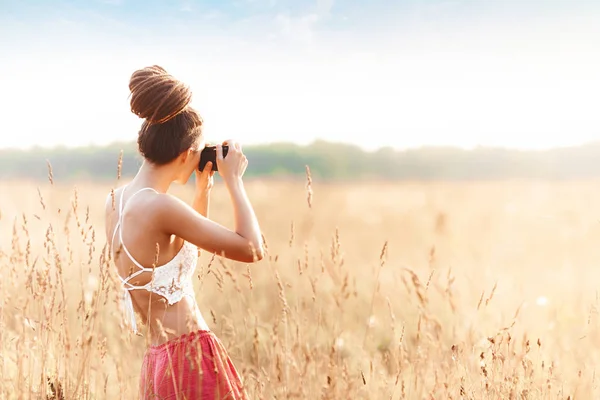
(156, 177)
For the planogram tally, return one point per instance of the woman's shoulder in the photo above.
(153, 203)
(111, 201)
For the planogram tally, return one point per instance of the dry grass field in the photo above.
(375, 291)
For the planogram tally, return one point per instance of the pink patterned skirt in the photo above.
(191, 366)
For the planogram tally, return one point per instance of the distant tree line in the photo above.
(328, 161)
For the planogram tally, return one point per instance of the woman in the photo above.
(155, 238)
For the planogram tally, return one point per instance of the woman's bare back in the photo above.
(145, 240)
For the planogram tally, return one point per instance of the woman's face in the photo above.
(191, 160)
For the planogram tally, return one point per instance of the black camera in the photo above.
(209, 153)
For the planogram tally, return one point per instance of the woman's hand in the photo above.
(233, 166)
(204, 179)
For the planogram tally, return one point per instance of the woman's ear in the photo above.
(184, 156)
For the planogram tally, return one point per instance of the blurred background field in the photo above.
(373, 290)
(447, 247)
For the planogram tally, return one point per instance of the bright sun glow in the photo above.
(438, 76)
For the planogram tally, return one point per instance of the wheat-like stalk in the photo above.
(460, 301)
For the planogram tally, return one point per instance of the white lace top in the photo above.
(172, 280)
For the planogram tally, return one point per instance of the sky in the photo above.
(404, 73)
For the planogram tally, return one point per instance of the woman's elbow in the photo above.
(248, 254)
(257, 253)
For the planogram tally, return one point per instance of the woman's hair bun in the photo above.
(156, 95)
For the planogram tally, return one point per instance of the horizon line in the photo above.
(314, 142)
